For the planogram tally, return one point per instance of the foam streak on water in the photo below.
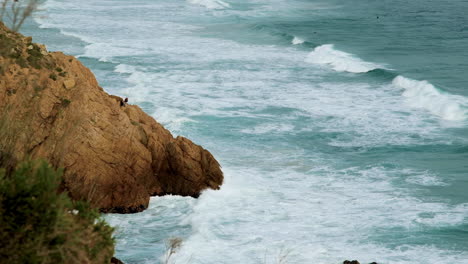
(324, 158)
(211, 4)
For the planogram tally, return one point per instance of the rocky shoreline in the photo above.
(114, 155)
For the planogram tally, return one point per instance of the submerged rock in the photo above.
(115, 260)
(351, 262)
(116, 157)
(355, 262)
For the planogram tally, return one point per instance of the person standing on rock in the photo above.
(124, 102)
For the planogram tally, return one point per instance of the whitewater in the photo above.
(333, 147)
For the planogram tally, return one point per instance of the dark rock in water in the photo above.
(115, 260)
(351, 262)
(355, 262)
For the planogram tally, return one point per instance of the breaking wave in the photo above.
(340, 61)
(423, 94)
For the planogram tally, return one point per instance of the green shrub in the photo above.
(6, 45)
(53, 76)
(39, 224)
(35, 56)
(22, 62)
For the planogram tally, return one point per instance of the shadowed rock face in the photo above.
(115, 156)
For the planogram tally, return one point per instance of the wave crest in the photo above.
(339, 60)
(423, 94)
(297, 41)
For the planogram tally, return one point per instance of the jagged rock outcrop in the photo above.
(116, 156)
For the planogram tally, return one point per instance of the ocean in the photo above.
(341, 126)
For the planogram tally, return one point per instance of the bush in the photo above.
(53, 76)
(39, 224)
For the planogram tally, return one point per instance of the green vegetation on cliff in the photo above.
(40, 224)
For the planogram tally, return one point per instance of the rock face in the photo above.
(115, 156)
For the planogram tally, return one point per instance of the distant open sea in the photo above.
(341, 126)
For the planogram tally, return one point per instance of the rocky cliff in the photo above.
(113, 154)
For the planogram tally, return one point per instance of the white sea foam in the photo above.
(211, 4)
(268, 128)
(324, 219)
(81, 37)
(106, 51)
(158, 220)
(339, 60)
(423, 94)
(426, 179)
(297, 41)
(139, 90)
(125, 68)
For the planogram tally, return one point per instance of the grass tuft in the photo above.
(53, 76)
(65, 102)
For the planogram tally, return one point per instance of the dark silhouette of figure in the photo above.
(123, 102)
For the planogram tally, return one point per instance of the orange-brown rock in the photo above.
(115, 156)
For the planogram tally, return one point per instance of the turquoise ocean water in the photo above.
(341, 126)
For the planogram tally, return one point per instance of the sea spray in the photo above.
(297, 41)
(424, 95)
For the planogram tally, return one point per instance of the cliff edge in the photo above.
(115, 156)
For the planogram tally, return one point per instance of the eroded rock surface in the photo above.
(115, 156)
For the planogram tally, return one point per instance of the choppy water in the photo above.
(341, 126)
